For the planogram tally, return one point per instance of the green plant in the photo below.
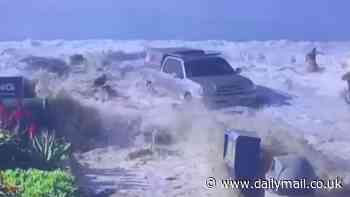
(5, 137)
(37, 183)
(49, 151)
(6, 191)
(11, 151)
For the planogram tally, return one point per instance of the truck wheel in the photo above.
(347, 97)
(187, 96)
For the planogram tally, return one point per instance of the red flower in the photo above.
(18, 115)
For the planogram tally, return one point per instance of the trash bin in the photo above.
(242, 155)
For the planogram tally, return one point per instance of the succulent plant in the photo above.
(49, 150)
(5, 138)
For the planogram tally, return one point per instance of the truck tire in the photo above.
(347, 97)
(188, 96)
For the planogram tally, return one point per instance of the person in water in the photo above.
(311, 60)
(346, 77)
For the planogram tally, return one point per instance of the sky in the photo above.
(237, 20)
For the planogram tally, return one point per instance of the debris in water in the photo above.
(139, 153)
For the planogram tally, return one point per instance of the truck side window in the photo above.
(173, 66)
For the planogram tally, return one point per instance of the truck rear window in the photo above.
(211, 66)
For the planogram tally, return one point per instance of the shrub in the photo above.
(7, 148)
(44, 151)
(37, 183)
(49, 152)
(8, 191)
(13, 151)
(5, 138)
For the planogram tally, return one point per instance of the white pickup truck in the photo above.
(213, 79)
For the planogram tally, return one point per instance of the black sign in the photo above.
(11, 87)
